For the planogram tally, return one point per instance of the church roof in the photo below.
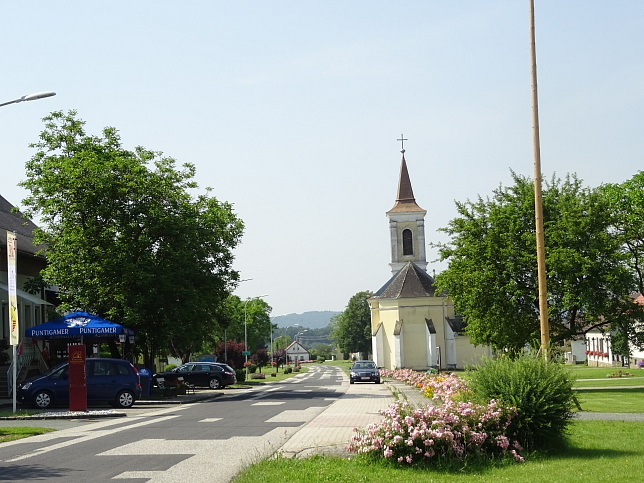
(24, 228)
(405, 201)
(410, 282)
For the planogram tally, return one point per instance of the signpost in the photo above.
(14, 329)
(77, 378)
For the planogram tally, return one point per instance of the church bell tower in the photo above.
(406, 225)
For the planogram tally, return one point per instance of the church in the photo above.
(412, 325)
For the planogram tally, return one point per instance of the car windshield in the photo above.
(364, 365)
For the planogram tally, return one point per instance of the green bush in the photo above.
(169, 367)
(240, 374)
(541, 391)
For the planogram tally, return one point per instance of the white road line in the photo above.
(81, 439)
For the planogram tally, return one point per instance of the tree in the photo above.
(260, 358)
(492, 273)
(125, 238)
(234, 352)
(626, 205)
(352, 327)
(282, 342)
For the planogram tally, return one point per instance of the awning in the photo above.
(34, 299)
(78, 324)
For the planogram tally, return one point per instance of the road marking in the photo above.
(297, 415)
(210, 420)
(81, 439)
(268, 403)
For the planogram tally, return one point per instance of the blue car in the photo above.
(112, 381)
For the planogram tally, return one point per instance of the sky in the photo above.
(291, 110)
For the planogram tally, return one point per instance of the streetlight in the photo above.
(14, 355)
(30, 97)
(246, 353)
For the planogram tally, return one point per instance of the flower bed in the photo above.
(453, 430)
(620, 374)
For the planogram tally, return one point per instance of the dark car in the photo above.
(214, 375)
(112, 381)
(364, 371)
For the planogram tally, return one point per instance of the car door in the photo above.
(97, 380)
(202, 374)
(58, 383)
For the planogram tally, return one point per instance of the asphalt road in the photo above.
(205, 441)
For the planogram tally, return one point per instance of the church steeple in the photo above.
(406, 225)
(405, 200)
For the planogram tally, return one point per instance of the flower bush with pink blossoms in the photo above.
(448, 431)
(452, 431)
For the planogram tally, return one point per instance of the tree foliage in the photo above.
(492, 273)
(126, 239)
(352, 328)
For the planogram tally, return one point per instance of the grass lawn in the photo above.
(597, 451)
(583, 372)
(629, 400)
(10, 434)
(617, 381)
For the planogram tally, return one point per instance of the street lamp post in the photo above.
(246, 331)
(14, 375)
(30, 97)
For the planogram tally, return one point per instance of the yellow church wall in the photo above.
(470, 354)
(388, 316)
(414, 334)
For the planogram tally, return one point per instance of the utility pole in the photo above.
(538, 197)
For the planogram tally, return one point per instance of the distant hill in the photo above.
(309, 320)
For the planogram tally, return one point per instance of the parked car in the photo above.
(214, 375)
(364, 371)
(114, 381)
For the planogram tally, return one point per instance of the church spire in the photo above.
(406, 224)
(405, 200)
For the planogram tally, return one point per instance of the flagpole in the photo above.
(538, 197)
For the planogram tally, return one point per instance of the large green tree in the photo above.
(352, 328)
(625, 202)
(492, 272)
(126, 238)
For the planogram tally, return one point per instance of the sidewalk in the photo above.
(330, 432)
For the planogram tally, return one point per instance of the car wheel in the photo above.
(214, 383)
(350, 381)
(378, 381)
(42, 400)
(125, 399)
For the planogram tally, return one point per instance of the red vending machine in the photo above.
(77, 378)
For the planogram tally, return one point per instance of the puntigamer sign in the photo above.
(78, 324)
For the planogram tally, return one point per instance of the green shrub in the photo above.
(541, 391)
(321, 359)
(169, 367)
(240, 374)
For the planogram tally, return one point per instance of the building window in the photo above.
(408, 244)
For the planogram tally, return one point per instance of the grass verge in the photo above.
(11, 434)
(628, 400)
(596, 451)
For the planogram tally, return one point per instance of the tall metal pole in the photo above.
(538, 197)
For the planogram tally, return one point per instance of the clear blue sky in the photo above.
(290, 110)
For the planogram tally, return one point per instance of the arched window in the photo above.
(408, 243)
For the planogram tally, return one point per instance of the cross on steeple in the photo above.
(402, 143)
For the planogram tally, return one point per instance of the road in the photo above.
(205, 441)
